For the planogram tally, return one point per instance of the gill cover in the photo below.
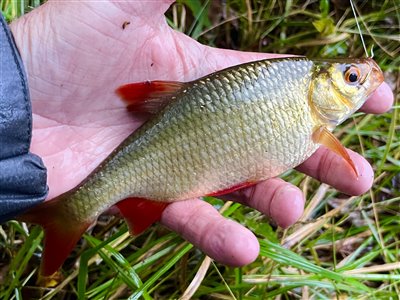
(341, 86)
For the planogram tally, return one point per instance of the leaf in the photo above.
(325, 26)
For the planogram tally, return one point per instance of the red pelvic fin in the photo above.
(232, 189)
(61, 233)
(140, 214)
(148, 96)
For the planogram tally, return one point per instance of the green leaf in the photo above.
(325, 26)
(324, 7)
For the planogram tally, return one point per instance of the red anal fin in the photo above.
(140, 214)
(232, 189)
(148, 96)
(61, 233)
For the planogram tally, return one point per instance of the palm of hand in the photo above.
(75, 65)
(78, 119)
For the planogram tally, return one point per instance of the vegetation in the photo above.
(343, 247)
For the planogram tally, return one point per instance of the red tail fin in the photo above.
(139, 214)
(61, 233)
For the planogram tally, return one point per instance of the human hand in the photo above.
(76, 55)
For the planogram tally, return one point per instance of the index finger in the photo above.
(328, 167)
(380, 101)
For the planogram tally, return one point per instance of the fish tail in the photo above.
(61, 233)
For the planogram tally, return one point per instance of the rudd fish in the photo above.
(211, 136)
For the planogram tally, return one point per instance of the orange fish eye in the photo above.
(352, 75)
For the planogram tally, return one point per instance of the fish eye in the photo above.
(352, 75)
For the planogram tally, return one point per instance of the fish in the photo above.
(208, 137)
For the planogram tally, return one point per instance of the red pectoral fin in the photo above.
(324, 137)
(148, 96)
(140, 214)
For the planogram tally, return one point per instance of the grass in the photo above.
(343, 247)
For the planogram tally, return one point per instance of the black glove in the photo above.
(22, 174)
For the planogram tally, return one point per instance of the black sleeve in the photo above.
(22, 174)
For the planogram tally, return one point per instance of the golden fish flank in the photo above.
(181, 153)
(231, 128)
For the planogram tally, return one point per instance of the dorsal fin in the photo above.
(148, 96)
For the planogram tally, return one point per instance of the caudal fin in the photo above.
(61, 233)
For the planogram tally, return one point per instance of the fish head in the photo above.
(340, 87)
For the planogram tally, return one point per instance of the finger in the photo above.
(223, 240)
(330, 168)
(276, 198)
(380, 101)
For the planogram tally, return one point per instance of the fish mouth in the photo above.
(375, 75)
